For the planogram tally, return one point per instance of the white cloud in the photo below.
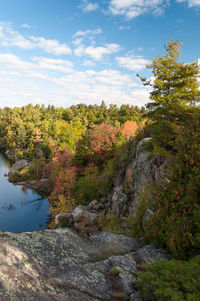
(10, 37)
(124, 27)
(133, 63)
(51, 46)
(53, 64)
(96, 53)
(26, 26)
(77, 41)
(55, 82)
(12, 61)
(89, 6)
(88, 63)
(191, 3)
(133, 8)
(81, 33)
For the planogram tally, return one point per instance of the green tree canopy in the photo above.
(175, 82)
(175, 90)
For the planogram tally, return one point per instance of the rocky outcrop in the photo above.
(43, 186)
(82, 218)
(11, 155)
(137, 179)
(18, 166)
(119, 201)
(62, 265)
(147, 168)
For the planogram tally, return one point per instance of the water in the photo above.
(17, 212)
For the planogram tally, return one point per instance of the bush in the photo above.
(112, 223)
(135, 223)
(173, 280)
(88, 185)
(176, 220)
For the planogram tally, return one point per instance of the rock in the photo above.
(119, 201)
(64, 218)
(11, 155)
(43, 186)
(146, 169)
(85, 220)
(136, 297)
(39, 153)
(119, 177)
(126, 282)
(113, 242)
(19, 165)
(146, 216)
(62, 265)
(94, 205)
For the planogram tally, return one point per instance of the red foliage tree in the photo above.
(98, 144)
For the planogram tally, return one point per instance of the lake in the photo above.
(18, 210)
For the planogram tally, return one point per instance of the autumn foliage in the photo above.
(129, 129)
(63, 175)
(176, 220)
(98, 144)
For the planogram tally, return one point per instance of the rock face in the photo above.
(138, 177)
(61, 265)
(146, 169)
(119, 201)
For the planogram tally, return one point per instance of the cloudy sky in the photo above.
(64, 52)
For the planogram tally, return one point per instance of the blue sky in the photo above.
(64, 52)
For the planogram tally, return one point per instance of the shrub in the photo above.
(135, 223)
(175, 223)
(88, 185)
(121, 296)
(173, 280)
(112, 223)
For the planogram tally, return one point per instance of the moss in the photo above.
(114, 271)
(121, 296)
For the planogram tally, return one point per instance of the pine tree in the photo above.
(175, 90)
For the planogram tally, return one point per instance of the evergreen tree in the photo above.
(175, 90)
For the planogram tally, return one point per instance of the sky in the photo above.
(65, 52)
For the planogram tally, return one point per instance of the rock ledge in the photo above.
(62, 265)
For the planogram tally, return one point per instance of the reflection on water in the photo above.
(21, 209)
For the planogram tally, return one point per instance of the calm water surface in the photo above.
(17, 211)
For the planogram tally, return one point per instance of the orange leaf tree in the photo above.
(129, 129)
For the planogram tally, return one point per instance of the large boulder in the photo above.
(85, 220)
(63, 217)
(62, 265)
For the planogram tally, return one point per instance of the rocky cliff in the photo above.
(62, 265)
(136, 178)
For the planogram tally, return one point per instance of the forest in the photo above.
(81, 148)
